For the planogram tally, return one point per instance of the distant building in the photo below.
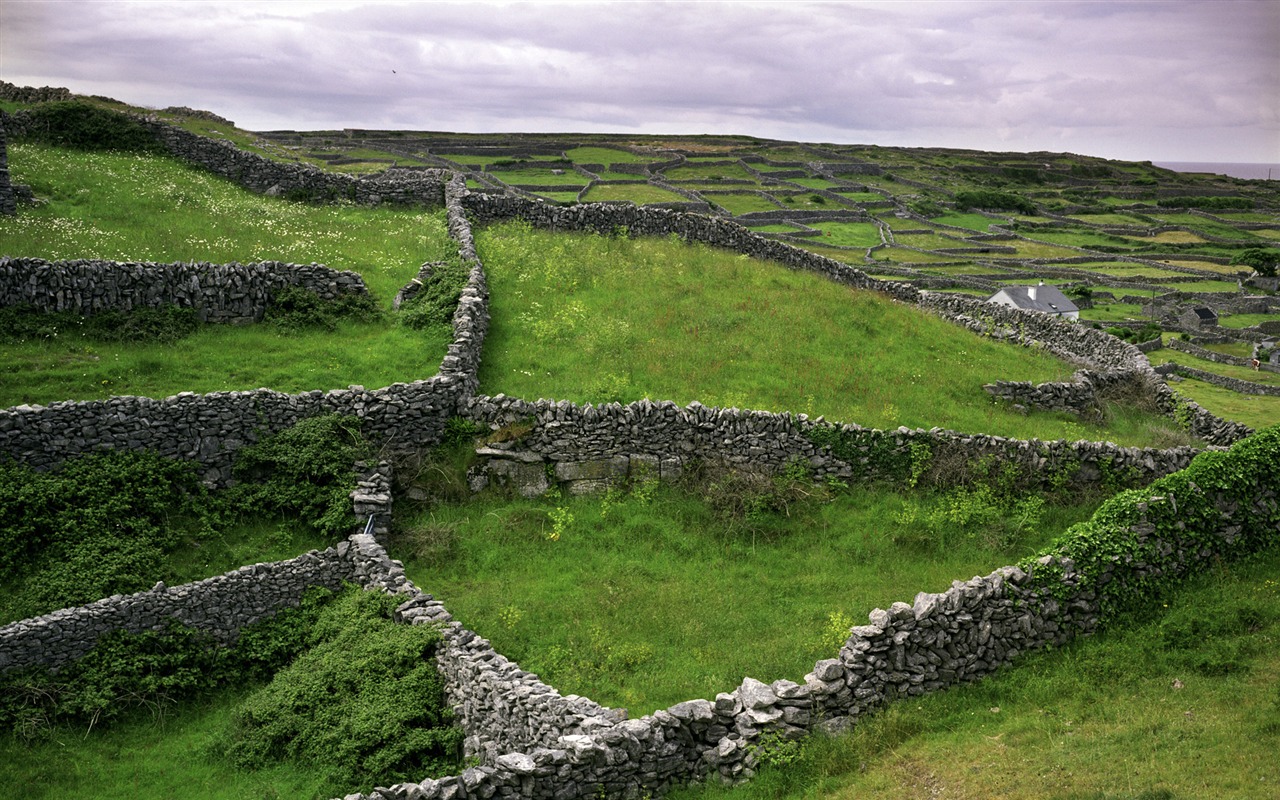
(1042, 297)
(1199, 318)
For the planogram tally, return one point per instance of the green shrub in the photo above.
(1141, 542)
(1264, 260)
(99, 525)
(436, 301)
(164, 324)
(993, 201)
(84, 126)
(364, 704)
(150, 671)
(305, 471)
(297, 309)
(1211, 203)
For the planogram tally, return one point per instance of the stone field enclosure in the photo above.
(598, 424)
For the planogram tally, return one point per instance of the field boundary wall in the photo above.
(219, 293)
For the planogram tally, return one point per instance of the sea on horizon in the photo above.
(1235, 170)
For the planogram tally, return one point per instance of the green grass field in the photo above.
(702, 172)
(1183, 705)
(1225, 370)
(976, 222)
(638, 193)
(1254, 410)
(849, 234)
(648, 598)
(1246, 320)
(740, 203)
(682, 322)
(126, 207)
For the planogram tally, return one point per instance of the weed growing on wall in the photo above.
(1142, 542)
(306, 470)
(365, 704)
(296, 309)
(99, 525)
(109, 523)
(84, 126)
(127, 673)
(436, 301)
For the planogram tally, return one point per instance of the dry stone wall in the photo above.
(220, 293)
(8, 201)
(593, 445)
(209, 428)
(939, 640)
(220, 606)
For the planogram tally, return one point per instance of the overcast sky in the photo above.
(1180, 80)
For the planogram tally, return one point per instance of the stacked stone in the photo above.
(220, 606)
(1234, 384)
(8, 201)
(263, 175)
(219, 293)
(1221, 358)
(588, 446)
(372, 498)
(210, 428)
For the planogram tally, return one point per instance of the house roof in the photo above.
(1206, 313)
(1044, 297)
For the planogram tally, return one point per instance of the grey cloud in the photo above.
(1116, 77)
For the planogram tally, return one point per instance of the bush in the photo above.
(364, 704)
(989, 200)
(150, 671)
(84, 126)
(164, 324)
(99, 525)
(1211, 203)
(1142, 542)
(305, 471)
(1264, 260)
(436, 301)
(297, 309)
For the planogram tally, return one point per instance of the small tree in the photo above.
(1264, 260)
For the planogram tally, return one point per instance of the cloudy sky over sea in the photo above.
(1178, 80)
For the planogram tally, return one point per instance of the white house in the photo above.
(1044, 298)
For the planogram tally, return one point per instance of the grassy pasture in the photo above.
(702, 172)
(648, 598)
(1225, 370)
(1077, 238)
(976, 222)
(540, 176)
(1246, 320)
(1152, 712)
(1207, 266)
(638, 193)
(560, 197)
(605, 155)
(682, 322)
(849, 234)
(900, 255)
(1254, 410)
(1202, 286)
(1168, 237)
(125, 207)
(219, 358)
(859, 196)
(740, 203)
